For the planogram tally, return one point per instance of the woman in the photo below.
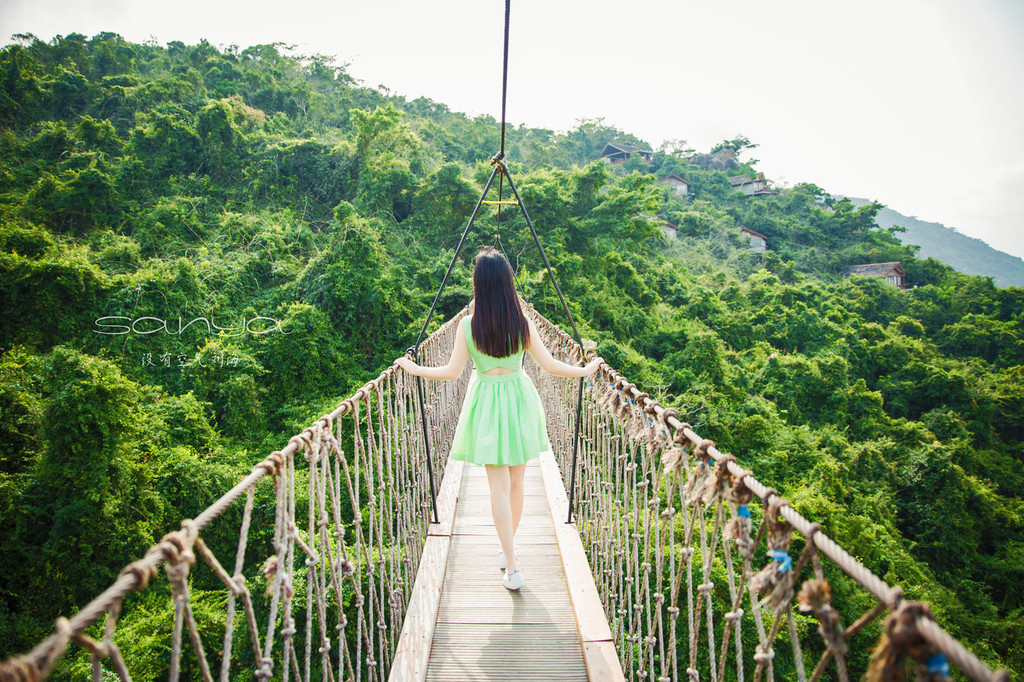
(502, 422)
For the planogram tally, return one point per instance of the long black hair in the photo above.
(499, 325)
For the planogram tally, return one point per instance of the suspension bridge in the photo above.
(678, 564)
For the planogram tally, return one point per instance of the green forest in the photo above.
(309, 220)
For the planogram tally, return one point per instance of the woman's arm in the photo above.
(446, 372)
(539, 352)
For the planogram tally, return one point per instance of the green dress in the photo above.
(502, 419)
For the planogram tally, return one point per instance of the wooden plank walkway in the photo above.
(462, 624)
(484, 631)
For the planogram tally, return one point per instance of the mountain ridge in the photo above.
(969, 255)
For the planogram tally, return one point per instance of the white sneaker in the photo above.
(501, 559)
(513, 580)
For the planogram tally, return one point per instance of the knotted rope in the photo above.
(640, 466)
(337, 588)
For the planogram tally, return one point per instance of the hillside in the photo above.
(966, 254)
(140, 184)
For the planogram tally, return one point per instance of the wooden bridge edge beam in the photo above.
(599, 653)
(413, 650)
(447, 499)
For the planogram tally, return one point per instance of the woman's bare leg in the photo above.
(499, 481)
(516, 475)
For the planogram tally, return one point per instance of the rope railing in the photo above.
(665, 517)
(666, 520)
(351, 506)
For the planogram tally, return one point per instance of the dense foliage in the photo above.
(312, 218)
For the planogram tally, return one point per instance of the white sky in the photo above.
(914, 103)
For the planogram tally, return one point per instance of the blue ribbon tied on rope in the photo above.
(782, 557)
(938, 665)
(743, 510)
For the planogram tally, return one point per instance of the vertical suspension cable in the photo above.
(504, 80)
(504, 99)
(497, 227)
(500, 168)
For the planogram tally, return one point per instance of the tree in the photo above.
(442, 206)
(349, 282)
(737, 145)
(388, 158)
(90, 506)
(224, 144)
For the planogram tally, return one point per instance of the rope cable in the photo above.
(497, 226)
(499, 167)
(504, 80)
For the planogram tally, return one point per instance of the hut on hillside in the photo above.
(617, 153)
(679, 184)
(758, 242)
(752, 187)
(893, 272)
(669, 230)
